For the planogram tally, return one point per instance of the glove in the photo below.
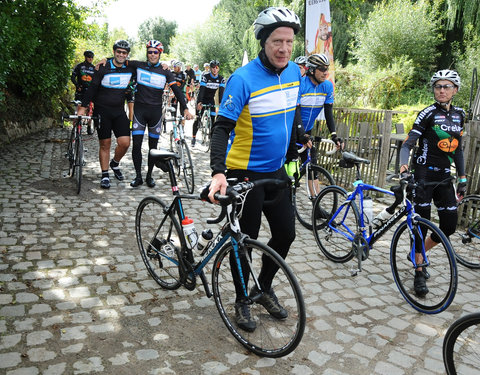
(461, 189)
(406, 176)
(337, 140)
(291, 168)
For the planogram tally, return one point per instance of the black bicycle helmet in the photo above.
(88, 53)
(123, 44)
(214, 63)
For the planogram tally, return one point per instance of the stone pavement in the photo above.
(75, 297)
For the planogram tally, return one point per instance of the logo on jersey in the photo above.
(229, 104)
(448, 144)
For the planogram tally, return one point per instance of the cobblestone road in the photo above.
(75, 297)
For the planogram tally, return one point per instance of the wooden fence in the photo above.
(371, 135)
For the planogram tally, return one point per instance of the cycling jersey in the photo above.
(208, 86)
(82, 76)
(312, 99)
(109, 84)
(191, 75)
(180, 79)
(439, 134)
(198, 75)
(262, 103)
(151, 81)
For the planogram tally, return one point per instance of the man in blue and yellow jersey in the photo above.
(250, 140)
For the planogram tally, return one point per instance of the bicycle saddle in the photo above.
(350, 157)
(161, 157)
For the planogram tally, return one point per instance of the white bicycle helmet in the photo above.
(300, 60)
(155, 44)
(448, 75)
(275, 17)
(316, 60)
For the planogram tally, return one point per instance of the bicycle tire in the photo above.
(175, 147)
(443, 280)
(71, 152)
(187, 167)
(305, 192)
(205, 129)
(78, 162)
(271, 338)
(461, 348)
(466, 239)
(160, 240)
(335, 238)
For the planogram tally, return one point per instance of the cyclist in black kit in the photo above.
(210, 83)
(82, 75)
(151, 81)
(181, 80)
(108, 91)
(438, 130)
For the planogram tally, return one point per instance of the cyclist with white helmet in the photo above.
(152, 78)
(438, 130)
(250, 140)
(301, 61)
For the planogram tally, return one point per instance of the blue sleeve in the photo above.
(235, 97)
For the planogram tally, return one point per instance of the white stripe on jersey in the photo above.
(316, 100)
(116, 80)
(274, 101)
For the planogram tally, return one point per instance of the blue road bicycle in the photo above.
(342, 231)
(174, 260)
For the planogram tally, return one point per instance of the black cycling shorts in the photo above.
(111, 119)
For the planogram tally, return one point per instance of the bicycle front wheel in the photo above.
(78, 162)
(466, 239)
(442, 283)
(272, 337)
(461, 346)
(205, 129)
(159, 239)
(71, 152)
(335, 231)
(175, 147)
(187, 167)
(312, 181)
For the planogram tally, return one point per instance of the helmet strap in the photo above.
(311, 74)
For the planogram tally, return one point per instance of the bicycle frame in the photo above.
(406, 209)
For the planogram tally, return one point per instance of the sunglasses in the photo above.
(323, 68)
(446, 87)
(121, 52)
(153, 52)
(89, 57)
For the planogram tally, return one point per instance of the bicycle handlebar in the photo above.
(177, 118)
(78, 117)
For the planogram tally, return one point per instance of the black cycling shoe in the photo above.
(270, 302)
(420, 284)
(150, 181)
(136, 182)
(105, 183)
(243, 318)
(424, 268)
(116, 171)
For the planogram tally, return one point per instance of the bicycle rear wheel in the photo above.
(175, 147)
(461, 346)
(78, 165)
(334, 232)
(160, 240)
(272, 337)
(307, 190)
(71, 149)
(443, 280)
(205, 129)
(187, 166)
(466, 239)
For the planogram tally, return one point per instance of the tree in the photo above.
(159, 29)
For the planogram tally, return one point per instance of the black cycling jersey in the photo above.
(191, 75)
(109, 85)
(180, 78)
(439, 134)
(208, 86)
(82, 76)
(151, 81)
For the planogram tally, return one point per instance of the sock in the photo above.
(105, 174)
(114, 163)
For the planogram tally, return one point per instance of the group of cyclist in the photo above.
(266, 107)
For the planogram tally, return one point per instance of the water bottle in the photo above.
(191, 235)
(368, 209)
(381, 218)
(204, 239)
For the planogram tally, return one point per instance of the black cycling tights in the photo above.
(281, 220)
(137, 153)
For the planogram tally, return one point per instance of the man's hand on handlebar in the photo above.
(219, 183)
(338, 141)
(82, 111)
(187, 115)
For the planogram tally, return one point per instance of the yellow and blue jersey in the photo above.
(262, 103)
(312, 99)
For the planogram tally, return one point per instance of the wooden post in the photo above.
(385, 132)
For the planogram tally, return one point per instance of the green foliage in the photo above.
(158, 28)
(37, 47)
(398, 29)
